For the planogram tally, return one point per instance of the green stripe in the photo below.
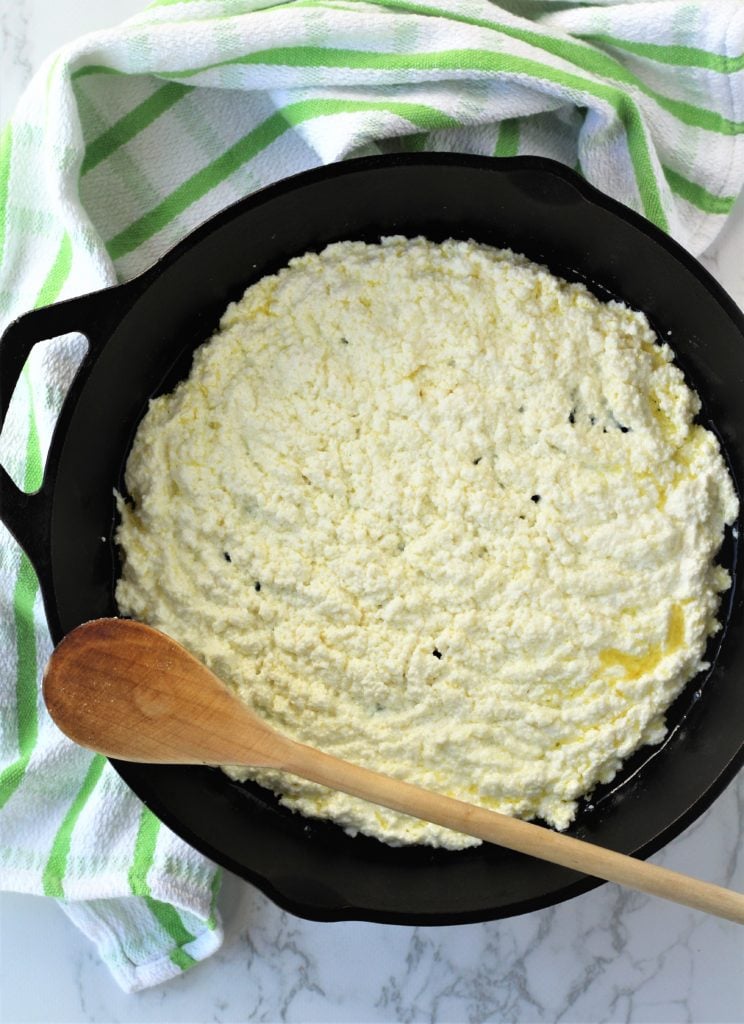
(34, 471)
(144, 853)
(27, 584)
(181, 958)
(484, 60)
(696, 117)
(587, 59)
(248, 147)
(167, 916)
(58, 274)
(131, 124)
(507, 143)
(215, 888)
(95, 69)
(706, 201)
(360, 60)
(625, 108)
(170, 921)
(680, 56)
(415, 143)
(24, 598)
(195, 187)
(56, 868)
(6, 145)
(582, 56)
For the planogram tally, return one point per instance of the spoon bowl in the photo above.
(130, 692)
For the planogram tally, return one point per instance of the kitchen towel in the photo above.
(129, 138)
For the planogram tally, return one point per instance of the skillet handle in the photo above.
(27, 516)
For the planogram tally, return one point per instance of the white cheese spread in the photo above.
(433, 510)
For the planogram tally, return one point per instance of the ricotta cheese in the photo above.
(433, 510)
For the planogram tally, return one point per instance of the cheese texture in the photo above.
(431, 509)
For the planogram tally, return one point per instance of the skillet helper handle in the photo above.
(94, 315)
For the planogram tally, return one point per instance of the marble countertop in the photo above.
(609, 955)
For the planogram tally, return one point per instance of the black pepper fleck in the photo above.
(344, 341)
(476, 461)
(436, 653)
(227, 556)
(535, 498)
(257, 585)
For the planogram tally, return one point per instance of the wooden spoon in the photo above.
(130, 692)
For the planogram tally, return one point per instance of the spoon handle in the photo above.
(513, 833)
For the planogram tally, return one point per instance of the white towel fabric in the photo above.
(127, 139)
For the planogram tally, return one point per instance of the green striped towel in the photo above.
(128, 138)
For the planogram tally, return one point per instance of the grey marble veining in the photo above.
(15, 55)
(606, 957)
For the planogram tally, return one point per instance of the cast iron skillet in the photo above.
(141, 338)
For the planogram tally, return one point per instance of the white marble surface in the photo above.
(606, 956)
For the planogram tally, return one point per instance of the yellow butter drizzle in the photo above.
(637, 665)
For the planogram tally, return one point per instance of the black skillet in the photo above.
(141, 337)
